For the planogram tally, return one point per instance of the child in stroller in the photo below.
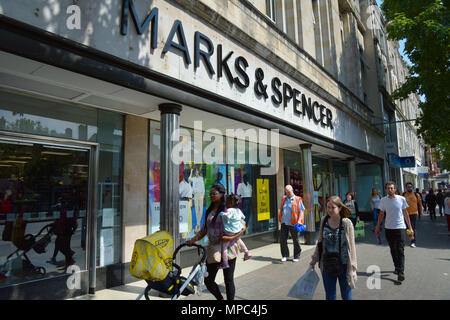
(152, 261)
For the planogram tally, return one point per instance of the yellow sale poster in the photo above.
(263, 199)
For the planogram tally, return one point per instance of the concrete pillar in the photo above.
(351, 54)
(169, 171)
(308, 194)
(352, 175)
(325, 195)
(318, 48)
(305, 20)
(331, 175)
(280, 184)
(135, 183)
(329, 52)
(335, 36)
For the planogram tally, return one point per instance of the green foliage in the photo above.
(425, 27)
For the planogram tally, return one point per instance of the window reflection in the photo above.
(43, 198)
(240, 175)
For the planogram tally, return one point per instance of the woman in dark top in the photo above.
(353, 206)
(213, 228)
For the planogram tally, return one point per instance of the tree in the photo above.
(425, 27)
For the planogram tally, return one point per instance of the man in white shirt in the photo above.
(186, 195)
(394, 207)
(244, 190)
(198, 187)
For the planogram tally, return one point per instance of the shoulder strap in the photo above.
(417, 198)
(323, 224)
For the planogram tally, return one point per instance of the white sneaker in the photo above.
(295, 260)
(413, 245)
(284, 259)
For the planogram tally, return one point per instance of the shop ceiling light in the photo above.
(54, 153)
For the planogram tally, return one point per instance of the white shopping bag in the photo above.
(305, 287)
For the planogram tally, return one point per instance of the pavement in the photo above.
(265, 277)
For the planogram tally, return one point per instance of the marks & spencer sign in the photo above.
(201, 52)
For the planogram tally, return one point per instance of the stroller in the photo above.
(153, 261)
(19, 259)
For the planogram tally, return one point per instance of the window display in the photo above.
(196, 178)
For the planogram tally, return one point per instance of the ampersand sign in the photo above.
(260, 88)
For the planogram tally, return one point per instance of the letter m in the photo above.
(128, 6)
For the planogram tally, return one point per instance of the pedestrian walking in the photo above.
(213, 228)
(414, 209)
(394, 207)
(375, 205)
(291, 212)
(447, 210)
(353, 206)
(440, 201)
(431, 204)
(336, 251)
(424, 203)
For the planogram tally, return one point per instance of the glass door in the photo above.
(43, 209)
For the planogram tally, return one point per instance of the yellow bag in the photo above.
(152, 256)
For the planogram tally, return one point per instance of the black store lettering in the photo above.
(276, 97)
(204, 49)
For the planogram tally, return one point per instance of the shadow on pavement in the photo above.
(267, 259)
(431, 234)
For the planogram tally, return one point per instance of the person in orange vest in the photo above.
(414, 201)
(291, 212)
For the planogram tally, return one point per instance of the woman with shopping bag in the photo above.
(335, 250)
(305, 287)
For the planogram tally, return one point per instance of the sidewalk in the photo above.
(262, 257)
(265, 277)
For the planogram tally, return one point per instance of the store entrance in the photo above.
(44, 191)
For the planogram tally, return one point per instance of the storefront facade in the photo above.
(84, 116)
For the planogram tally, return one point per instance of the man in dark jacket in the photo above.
(431, 203)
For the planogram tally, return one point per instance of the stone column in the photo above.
(280, 182)
(325, 195)
(352, 175)
(327, 36)
(305, 19)
(135, 183)
(169, 171)
(331, 175)
(308, 194)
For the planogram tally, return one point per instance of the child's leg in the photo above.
(247, 254)
(224, 263)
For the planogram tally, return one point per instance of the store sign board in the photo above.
(282, 94)
(402, 162)
(263, 199)
(171, 41)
